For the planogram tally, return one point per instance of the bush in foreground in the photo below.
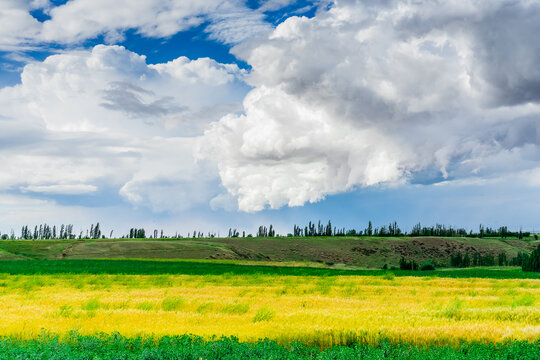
(103, 347)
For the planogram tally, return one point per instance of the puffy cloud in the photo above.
(285, 152)
(102, 90)
(204, 70)
(373, 93)
(88, 122)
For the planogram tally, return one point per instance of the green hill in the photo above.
(369, 252)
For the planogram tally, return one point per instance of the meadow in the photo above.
(320, 308)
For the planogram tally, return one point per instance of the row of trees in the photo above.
(502, 232)
(521, 259)
(528, 262)
(394, 230)
(532, 262)
(135, 233)
(65, 231)
(444, 231)
(264, 231)
(413, 265)
(437, 230)
(328, 230)
(465, 260)
(44, 231)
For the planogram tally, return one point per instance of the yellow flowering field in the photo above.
(317, 310)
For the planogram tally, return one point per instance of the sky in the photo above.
(210, 114)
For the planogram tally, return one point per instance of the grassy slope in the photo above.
(363, 252)
(4, 255)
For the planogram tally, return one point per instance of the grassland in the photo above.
(366, 252)
(320, 307)
(311, 298)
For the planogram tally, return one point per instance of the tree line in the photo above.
(45, 232)
(66, 231)
(393, 229)
(527, 262)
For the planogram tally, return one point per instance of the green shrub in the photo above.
(427, 266)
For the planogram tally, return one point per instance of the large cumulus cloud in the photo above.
(103, 120)
(376, 92)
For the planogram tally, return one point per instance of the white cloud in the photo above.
(78, 20)
(169, 177)
(203, 70)
(71, 189)
(108, 88)
(364, 93)
(230, 21)
(18, 26)
(84, 122)
(379, 92)
(273, 5)
(235, 24)
(285, 152)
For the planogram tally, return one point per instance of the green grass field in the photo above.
(198, 267)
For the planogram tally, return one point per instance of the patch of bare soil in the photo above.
(69, 249)
(239, 254)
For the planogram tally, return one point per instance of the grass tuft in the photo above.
(145, 306)
(264, 314)
(238, 309)
(172, 303)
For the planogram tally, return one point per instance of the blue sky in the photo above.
(216, 114)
